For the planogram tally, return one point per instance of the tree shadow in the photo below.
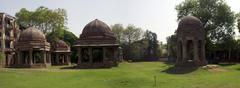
(169, 62)
(181, 69)
(238, 69)
(77, 67)
(226, 64)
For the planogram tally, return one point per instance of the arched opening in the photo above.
(109, 53)
(37, 57)
(97, 55)
(61, 58)
(190, 50)
(25, 57)
(85, 55)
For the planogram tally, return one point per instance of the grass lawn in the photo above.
(127, 75)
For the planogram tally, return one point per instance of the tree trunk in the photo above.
(229, 55)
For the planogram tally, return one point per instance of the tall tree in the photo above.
(44, 19)
(172, 47)
(118, 31)
(61, 34)
(216, 16)
(152, 48)
(238, 21)
(132, 34)
(65, 35)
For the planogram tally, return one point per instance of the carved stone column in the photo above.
(115, 54)
(62, 58)
(18, 57)
(44, 57)
(179, 52)
(57, 58)
(104, 54)
(79, 55)
(68, 59)
(90, 54)
(30, 57)
(49, 57)
(196, 53)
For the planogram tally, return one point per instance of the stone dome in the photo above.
(96, 29)
(61, 44)
(32, 34)
(190, 23)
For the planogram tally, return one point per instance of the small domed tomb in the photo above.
(61, 53)
(97, 46)
(32, 49)
(190, 41)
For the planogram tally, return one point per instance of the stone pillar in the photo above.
(115, 54)
(68, 59)
(104, 54)
(44, 57)
(63, 58)
(179, 52)
(18, 57)
(79, 55)
(30, 57)
(49, 58)
(184, 49)
(90, 54)
(57, 58)
(34, 60)
(196, 53)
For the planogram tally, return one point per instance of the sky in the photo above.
(158, 16)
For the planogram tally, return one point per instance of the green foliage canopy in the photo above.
(216, 16)
(43, 18)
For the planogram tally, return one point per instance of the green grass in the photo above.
(127, 75)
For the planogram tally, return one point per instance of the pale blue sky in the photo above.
(156, 15)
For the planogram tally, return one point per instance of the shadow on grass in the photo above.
(181, 69)
(226, 64)
(238, 69)
(77, 67)
(168, 63)
(69, 67)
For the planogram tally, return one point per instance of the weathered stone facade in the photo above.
(190, 41)
(61, 53)
(97, 46)
(32, 49)
(9, 33)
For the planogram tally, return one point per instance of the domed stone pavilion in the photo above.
(97, 46)
(32, 49)
(190, 41)
(61, 53)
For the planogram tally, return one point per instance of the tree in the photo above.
(238, 22)
(44, 19)
(152, 48)
(131, 34)
(216, 16)
(172, 47)
(118, 31)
